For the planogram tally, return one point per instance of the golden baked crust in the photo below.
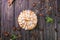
(27, 19)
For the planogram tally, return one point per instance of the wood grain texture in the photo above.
(43, 30)
(0, 17)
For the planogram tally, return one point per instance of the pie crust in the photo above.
(27, 20)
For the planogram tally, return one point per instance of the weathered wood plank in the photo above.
(7, 19)
(43, 31)
(0, 17)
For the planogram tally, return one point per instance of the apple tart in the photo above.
(27, 19)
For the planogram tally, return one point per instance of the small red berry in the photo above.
(41, 14)
(6, 34)
(34, 4)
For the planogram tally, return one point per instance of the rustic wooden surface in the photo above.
(43, 31)
(0, 18)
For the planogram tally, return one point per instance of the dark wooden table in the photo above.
(43, 30)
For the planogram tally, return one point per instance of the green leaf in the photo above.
(49, 19)
(13, 37)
